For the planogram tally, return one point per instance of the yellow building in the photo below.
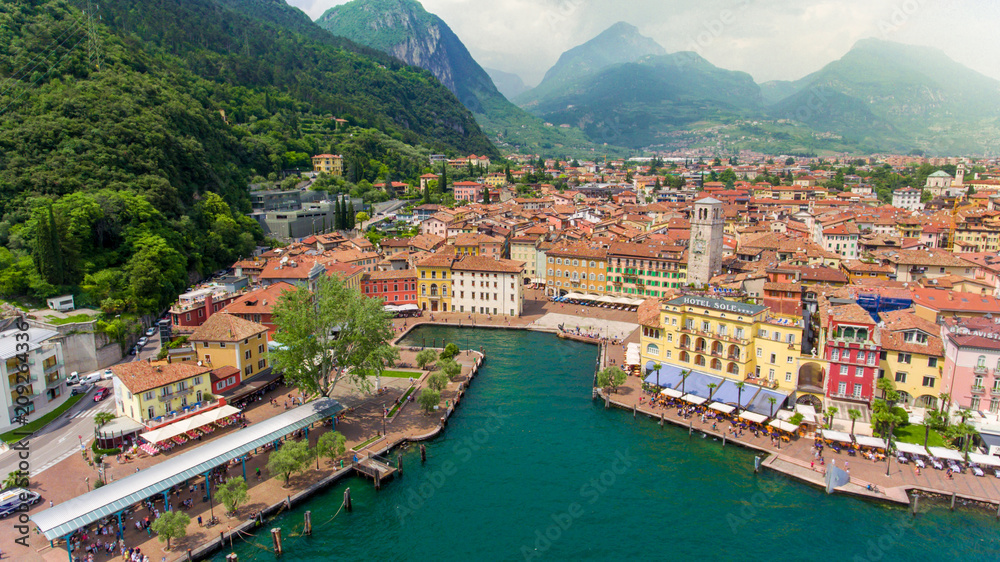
(332, 164)
(912, 357)
(144, 391)
(577, 268)
(228, 340)
(732, 340)
(856, 269)
(434, 282)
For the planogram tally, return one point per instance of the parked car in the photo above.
(107, 374)
(73, 378)
(142, 342)
(101, 394)
(82, 388)
(150, 332)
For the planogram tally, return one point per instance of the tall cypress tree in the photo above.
(351, 215)
(337, 225)
(443, 182)
(486, 196)
(48, 248)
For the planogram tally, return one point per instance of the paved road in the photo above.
(61, 438)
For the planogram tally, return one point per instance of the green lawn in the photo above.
(915, 434)
(402, 401)
(15, 435)
(360, 446)
(400, 374)
(57, 321)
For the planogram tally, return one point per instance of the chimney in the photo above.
(208, 305)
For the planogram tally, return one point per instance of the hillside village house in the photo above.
(332, 164)
(488, 286)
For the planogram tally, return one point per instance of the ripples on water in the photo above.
(542, 484)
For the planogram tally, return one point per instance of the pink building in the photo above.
(972, 363)
(468, 191)
(852, 348)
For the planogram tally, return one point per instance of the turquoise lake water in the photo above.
(530, 468)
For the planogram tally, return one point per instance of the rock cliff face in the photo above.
(406, 31)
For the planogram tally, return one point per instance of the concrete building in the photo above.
(705, 249)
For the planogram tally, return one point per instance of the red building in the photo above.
(225, 378)
(852, 348)
(393, 287)
(192, 309)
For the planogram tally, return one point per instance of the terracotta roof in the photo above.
(226, 328)
(649, 313)
(260, 301)
(390, 275)
(223, 373)
(852, 313)
(482, 263)
(140, 376)
(942, 300)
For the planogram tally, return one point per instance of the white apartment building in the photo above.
(488, 286)
(43, 382)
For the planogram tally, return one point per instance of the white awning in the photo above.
(691, 398)
(606, 299)
(836, 436)
(407, 307)
(187, 424)
(784, 426)
(390, 308)
(573, 296)
(636, 302)
(720, 407)
(987, 460)
(910, 448)
(753, 417)
(671, 392)
(866, 441)
(808, 412)
(632, 354)
(942, 453)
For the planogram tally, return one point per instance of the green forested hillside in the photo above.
(123, 183)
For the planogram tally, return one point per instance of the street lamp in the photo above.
(87, 480)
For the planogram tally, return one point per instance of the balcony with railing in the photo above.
(981, 369)
(49, 367)
(978, 389)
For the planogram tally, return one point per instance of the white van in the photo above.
(92, 378)
(73, 378)
(12, 499)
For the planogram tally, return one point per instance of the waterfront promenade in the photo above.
(364, 421)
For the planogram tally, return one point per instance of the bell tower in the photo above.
(705, 246)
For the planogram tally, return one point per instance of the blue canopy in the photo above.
(727, 393)
(670, 376)
(697, 383)
(760, 405)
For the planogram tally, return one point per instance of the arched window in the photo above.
(423, 290)
(600, 277)
(733, 369)
(434, 289)
(592, 264)
(576, 276)
(685, 340)
(550, 272)
(558, 261)
(592, 276)
(565, 273)
(699, 360)
(685, 357)
(716, 364)
(734, 352)
(591, 287)
(576, 263)
(652, 349)
(558, 273)
(981, 362)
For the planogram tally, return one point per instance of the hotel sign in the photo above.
(718, 304)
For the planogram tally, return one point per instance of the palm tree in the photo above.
(684, 376)
(711, 389)
(102, 418)
(885, 385)
(772, 401)
(739, 394)
(656, 367)
(854, 414)
(945, 404)
(830, 412)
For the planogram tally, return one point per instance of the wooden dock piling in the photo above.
(307, 526)
(276, 536)
(347, 500)
(423, 453)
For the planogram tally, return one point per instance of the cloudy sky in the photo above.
(770, 39)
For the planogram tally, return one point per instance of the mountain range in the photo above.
(405, 30)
